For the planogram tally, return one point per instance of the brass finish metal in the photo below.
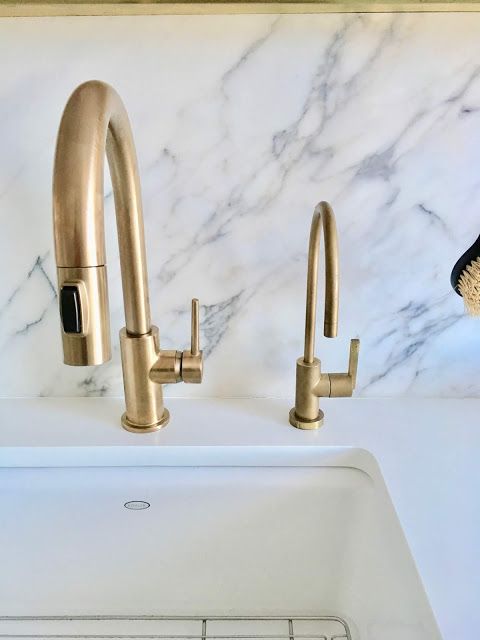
(186, 366)
(39, 8)
(167, 368)
(94, 123)
(192, 365)
(311, 383)
(195, 334)
(323, 214)
(143, 397)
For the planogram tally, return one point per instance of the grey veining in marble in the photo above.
(243, 123)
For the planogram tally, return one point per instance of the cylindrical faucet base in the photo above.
(306, 413)
(143, 397)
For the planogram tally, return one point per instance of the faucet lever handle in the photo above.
(353, 360)
(341, 385)
(192, 361)
(195, 339)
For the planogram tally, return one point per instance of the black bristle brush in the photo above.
(465, 278)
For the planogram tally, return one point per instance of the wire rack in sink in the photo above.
(173, 628)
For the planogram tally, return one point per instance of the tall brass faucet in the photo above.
(93, 124)
(311, 383)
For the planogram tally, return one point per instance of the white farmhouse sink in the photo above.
(250, 542)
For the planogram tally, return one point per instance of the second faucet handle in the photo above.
(353, 360)
(192, 360)
(343, 384)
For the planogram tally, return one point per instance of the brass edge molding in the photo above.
(36, 9)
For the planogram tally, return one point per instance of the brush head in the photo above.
(465, 278)
(469, 287)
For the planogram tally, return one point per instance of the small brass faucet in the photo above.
(93, 124)
(311, 383)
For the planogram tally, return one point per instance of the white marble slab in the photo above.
(242, 124)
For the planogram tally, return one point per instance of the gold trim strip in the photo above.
(41, 8)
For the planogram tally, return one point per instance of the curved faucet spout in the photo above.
(95, 124)
(311, 383)
(323, 216)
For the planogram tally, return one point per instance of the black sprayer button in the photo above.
(70, 309)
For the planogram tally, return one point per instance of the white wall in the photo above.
(242, 124)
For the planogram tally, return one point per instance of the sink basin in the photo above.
(214, 542)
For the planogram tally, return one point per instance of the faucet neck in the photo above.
(93, 124)
(323, 216)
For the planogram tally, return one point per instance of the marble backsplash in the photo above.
(243, 123)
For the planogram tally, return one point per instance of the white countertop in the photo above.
(427, 451)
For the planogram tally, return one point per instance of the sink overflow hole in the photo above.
(136, 505)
